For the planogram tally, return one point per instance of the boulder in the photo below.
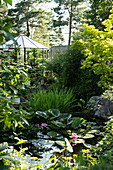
(103, 108)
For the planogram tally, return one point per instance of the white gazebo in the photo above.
(23, 42)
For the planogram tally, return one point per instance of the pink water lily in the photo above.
(44, 125)
(37, 125)
(74, 136)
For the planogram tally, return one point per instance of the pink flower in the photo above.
(98, 84)
(109, 62)
(74, 136)
(36, 125)
(44, 125)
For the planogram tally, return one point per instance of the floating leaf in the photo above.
(3, 146)
(53, 134)
(61, 143)
(69, 147)
(80, 140)
(88, 136)
(93, 131)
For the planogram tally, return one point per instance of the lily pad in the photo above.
(88, 136)
(80, 141)
(60, 143)
(69, 147)
(93, 131)
(53, 134)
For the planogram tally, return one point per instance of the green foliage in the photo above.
(7, 2)
(10, 85)
(98, 50)
(5, 24)
(4, 157)
(67, 69)
(59, 121)
(12, 76)
(99, 11)
(68, 14)
(41, 100)
(10, 158)
(29, 16)
(100, 155)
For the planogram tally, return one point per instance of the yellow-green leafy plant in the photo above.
(98, 49)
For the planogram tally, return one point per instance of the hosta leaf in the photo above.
(8, 158)
(54, 112)
(58, 124)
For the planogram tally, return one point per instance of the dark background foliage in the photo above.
(67, 69)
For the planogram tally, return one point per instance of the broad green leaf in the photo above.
(93, 131)
(54, 112)
(69, 147)
(53, 134)
(8, 1)
(25, 121)
(88, 136)
(76, 122)
(80, 141)
(61, 143)
(21, 141)
(58, 123)
(3, 146)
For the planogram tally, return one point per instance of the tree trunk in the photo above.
(28, 33)
(70, 24)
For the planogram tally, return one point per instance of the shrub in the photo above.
(41, 100)
(67, 69)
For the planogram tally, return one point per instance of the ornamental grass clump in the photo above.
(42, 100)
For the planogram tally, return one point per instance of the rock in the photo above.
(104, 107)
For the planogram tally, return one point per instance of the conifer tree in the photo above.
(29, 18)
(68, 14)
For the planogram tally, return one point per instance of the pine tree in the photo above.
(67, 15)
(29, 20)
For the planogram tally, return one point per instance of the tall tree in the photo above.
(99, 11)
(28, 18)
(68, 14)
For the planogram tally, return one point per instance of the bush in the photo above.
(42, 100)
(67, 69)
